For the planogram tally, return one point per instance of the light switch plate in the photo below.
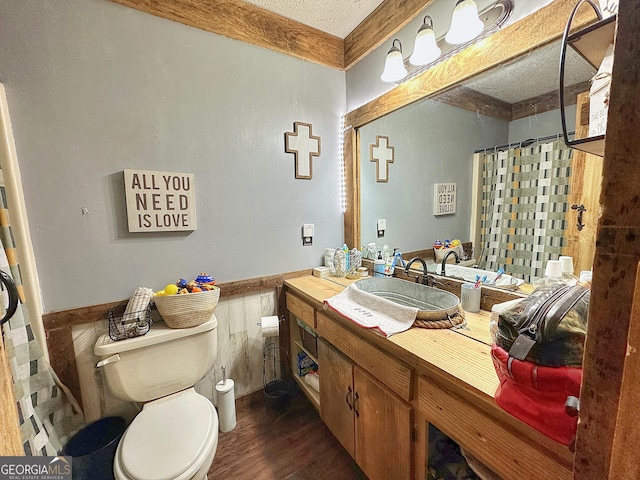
(307, 230)
(307, 234)
(382, 226)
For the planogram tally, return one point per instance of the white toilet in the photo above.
(175, 436)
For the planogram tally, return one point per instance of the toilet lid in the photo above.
(167, 437)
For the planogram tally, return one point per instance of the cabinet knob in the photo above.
(349, 398)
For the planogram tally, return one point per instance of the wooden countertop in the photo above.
(460, 355)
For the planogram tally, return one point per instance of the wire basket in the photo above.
(128, 325)
(189, 309)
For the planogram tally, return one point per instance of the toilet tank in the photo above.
(164, 361)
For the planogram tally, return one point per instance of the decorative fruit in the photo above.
(171, 289)
(159, 293)
(196, 290)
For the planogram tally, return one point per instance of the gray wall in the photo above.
(434, 143)
(95, 88)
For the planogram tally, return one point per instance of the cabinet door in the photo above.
(383, 430)
(336, 394)
(586, 184)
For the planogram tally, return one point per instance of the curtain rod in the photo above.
(524, 143)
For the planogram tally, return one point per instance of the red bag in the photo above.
(537, 394)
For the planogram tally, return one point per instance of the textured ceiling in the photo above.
(531, 75)
(337, 17)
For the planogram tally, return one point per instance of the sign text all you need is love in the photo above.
(160, 201)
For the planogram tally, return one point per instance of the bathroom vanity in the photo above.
(378, 395)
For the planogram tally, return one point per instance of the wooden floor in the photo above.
(289, 444)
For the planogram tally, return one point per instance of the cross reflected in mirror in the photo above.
(382, 154)
(304, 146)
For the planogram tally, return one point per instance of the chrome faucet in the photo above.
(444, 261)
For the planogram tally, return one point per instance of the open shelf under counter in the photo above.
(301, 347)
(312, 395)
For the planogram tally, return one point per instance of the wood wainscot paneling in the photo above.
(58, 325)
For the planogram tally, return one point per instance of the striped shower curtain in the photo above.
(524, 207)
(48, 413)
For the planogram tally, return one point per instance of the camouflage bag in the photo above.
(547, 328)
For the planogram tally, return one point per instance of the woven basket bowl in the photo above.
(187, 310)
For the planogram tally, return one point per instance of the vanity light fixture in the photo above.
(425, 48)
(467, 28)
(394, 68)
(465, 24)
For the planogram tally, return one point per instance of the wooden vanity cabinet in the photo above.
(370, 421)
(364, 393)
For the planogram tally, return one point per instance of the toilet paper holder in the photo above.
(280, 320)
(271, 326)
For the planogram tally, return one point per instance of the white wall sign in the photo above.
(160, 201)
(444, 198)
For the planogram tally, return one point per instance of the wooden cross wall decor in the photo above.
(304, 145)
(383, 154)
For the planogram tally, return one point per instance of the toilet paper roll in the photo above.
(270, 326)
(226, 405)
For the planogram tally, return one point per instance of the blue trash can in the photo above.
(93, 449)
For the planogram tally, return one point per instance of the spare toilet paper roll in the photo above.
(226, 405)
(270, 326)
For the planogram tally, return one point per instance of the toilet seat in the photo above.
(170, 439)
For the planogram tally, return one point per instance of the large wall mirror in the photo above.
(443, 139)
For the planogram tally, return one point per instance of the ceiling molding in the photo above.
(547, 101)
(382, 23)
(463, 97)
(245, 22)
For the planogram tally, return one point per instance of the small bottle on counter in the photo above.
(378, 266)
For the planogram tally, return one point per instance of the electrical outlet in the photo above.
(381, 226)
(307, 234)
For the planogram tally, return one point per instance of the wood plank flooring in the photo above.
(289, 444)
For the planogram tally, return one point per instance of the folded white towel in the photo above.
(137, 305)
(371, 311)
